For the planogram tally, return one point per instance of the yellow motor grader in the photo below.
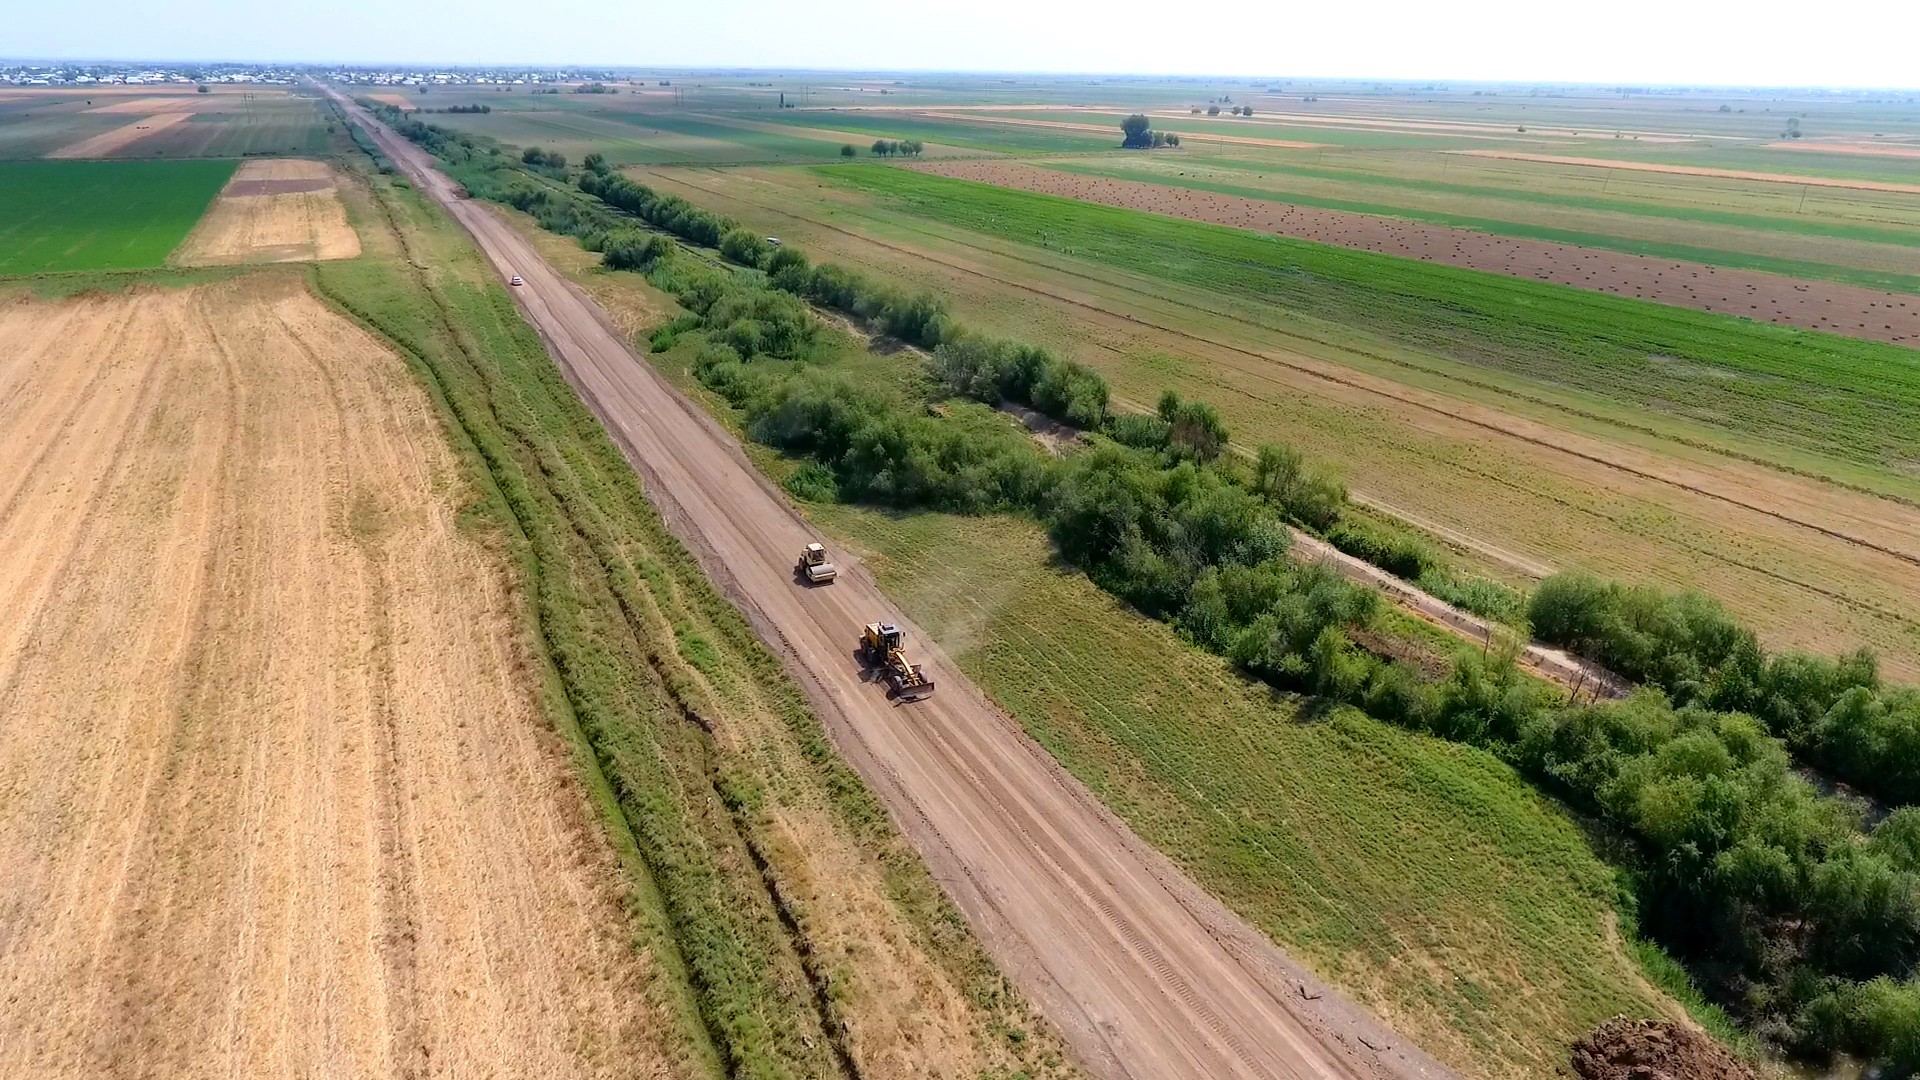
(882, 649)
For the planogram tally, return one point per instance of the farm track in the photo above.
(1894, 519)
(275, 796)
(1145, 973)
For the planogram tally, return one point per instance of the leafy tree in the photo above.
(1213, 110)
(847, 150)
(746, 247)
(1135, 128)
(1195, 429)
(595, 162)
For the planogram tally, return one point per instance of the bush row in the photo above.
(1834, 713)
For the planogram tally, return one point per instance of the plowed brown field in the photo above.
(275, 796)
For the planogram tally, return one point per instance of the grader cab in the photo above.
(882, 649)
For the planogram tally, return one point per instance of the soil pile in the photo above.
(1623, 1049)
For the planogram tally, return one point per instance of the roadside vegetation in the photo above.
(1787, 908)
(794, 932)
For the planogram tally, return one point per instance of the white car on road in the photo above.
(515, 280)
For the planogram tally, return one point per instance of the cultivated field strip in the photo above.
(1850, 310)
(275, 796)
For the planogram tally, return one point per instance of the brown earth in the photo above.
(275, 795)
(1696, 170)
(398, 101)
(1815, 305)
(108, 143)
(1623, 1049)
(275, 210)
(1144, 973)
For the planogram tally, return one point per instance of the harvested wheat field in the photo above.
(278, 210)
(1839, 308)
(275, 797)
(108, 143)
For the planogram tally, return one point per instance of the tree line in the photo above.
(1835, 713)
(1788, 909)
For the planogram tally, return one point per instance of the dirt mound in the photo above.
(1623, 1049)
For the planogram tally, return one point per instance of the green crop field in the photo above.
(1619, 239)
(1813, 391)
(1400, 180)
(100, 215)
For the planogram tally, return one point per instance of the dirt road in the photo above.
(275, 797)
(1144, 973)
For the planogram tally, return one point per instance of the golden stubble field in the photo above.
(274, 210)
(276, 797)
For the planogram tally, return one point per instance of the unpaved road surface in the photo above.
(275, 798)
(1144, 973)
(1836, 307)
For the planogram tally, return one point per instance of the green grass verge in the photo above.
(1816, 392)
(100, 215)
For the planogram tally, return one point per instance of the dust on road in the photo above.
(275, 796)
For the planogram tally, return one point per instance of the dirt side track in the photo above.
(1145, 974)
(275, 796)
(1836, 307)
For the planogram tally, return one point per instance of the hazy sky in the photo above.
(1773, 42)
